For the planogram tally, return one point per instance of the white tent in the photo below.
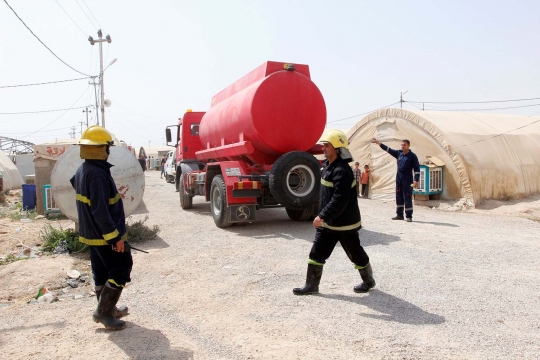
(486, 156)
(10, 174)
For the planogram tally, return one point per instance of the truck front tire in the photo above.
(218, 202)
(186, 201)
(299, 215)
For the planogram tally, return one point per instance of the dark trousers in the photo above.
(404, 196)
(326, 240)
(365, 190)
(162, 170)
(110, 265)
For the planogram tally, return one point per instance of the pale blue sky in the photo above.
(174, 55)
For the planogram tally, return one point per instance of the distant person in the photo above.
(365, 182)
(339, 217)
(102, 225)
(407, 162)
(163, 161)
(142, 161)
(357, 173)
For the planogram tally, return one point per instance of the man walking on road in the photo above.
(102, 225)
(339, 217)
(407, 162)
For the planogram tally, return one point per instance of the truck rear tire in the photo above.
(186, 201)
(218, 202)
(299, 215)
(295, 179)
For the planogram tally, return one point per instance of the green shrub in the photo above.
(138, 231)
(53, 237)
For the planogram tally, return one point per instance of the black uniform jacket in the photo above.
(99, 205)
(406, 163)
(338, 201)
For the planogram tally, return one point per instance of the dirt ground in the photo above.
(450, 285)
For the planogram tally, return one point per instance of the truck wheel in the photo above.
(178, 176)
(167, 178)
(294, 180)
(218, 202)
(299, 215)
(186, 201)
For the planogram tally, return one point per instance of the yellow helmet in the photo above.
(337, 138)
(96, 135)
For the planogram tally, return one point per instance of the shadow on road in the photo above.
(391, 308)
(142, 343)
(435, 223)
(141, 209)
(155, 243)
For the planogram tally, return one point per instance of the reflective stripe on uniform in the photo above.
(408, 209)
(97, 242)
(313, 262)
(83, 199)
(115, 283)
(400, 206)
(331, 184)
(342, 228)
(86, 200)
(111, 235)
(358, 267)
(114, 200)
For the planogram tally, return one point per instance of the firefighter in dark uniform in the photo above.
(407, 162)
(339, 217)
(102, 225)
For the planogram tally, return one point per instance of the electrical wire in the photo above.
(64, 113)
(77, 25)
(469, 102)
(26, 132)
(84, 12)
(492, 137)
(91, 13)
(45, 83)
(72, 68)
(350, 117)
(44, 111)
(486, 109)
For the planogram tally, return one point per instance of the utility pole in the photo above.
(82, 123)
(87, 111)
(95, 94)
(401, 101)
(100, 41)
(72, 133)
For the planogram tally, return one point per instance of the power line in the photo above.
(470, 102)
(486, 109)
(70, 18)
(43, 42)
(91, 13)
(64, 113)
(42, 111)
(26, 132)
(84, 12)
(45, 83)
(350, 117)
(506, 132)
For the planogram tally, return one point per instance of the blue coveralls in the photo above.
(406, 163)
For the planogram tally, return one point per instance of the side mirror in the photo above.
(168, 135)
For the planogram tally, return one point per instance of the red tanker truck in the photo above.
(254, 147)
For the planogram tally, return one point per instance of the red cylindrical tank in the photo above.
(278, 113)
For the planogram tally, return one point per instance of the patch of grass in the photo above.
(16, 213)
(138, 231)
(52, 238)
(9, 259)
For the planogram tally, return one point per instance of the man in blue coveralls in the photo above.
(407, 162)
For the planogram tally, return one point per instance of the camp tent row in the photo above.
(486, 156)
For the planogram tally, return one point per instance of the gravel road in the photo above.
(450, 285)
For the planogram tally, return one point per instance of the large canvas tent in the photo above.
(10, 174)
(486, 156)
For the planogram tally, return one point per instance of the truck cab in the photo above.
(187, 143)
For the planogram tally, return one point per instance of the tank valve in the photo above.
(289, 67)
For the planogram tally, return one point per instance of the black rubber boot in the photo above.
(104, 312)
(313, 278)
(367, 280)
(118, 312)
(397, 217)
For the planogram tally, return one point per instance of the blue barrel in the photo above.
(29, 196)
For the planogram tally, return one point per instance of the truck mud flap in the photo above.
(246, 193)
(242, 213)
